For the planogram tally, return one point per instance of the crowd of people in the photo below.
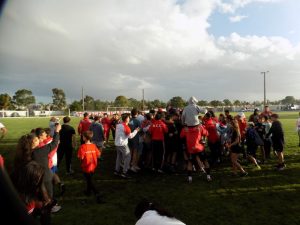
(191, 139)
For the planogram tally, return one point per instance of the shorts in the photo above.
(251, 150)
(134, 143)
(54, 169)
(202, 156)
(236, 149)
(278, 146)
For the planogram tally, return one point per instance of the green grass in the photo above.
(264, 197)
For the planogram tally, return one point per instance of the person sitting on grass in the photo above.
(277, 140)
(196, 149)
(88, 155)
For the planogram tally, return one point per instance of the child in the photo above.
(157, 130)
(52, 157)
(88, 154)
(195, 149)
(277, 140)
(123, 132)
(251, 136)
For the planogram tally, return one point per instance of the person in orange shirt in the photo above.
(88, 155)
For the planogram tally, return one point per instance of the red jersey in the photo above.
(84, 125)
(157, 130)
(210, 125)
(242, 127)
(52, 153)
(106, 123)
(193, 137)
(88, 154)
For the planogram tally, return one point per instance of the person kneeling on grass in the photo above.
(88, 154)
(195, 149)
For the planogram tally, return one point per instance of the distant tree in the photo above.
(59, 99)
(177, 102)
(288, 100)
(227, 102)
(236, 103)
(132, 102)
(5, 101)
(89, 103)
(76, 106)
(202, 103)
(216, 103)
(121, 101)
(23, 98)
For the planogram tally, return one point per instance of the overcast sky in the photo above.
(211, 49)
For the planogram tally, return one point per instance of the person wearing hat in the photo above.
(191, 112)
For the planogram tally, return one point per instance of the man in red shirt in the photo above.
(84, 125)
(158, 129)
(106, 123)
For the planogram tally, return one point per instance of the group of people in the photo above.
(162, 141)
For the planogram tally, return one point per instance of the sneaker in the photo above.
(258, 167)
(190, 179)
(208, 177)
(133, 169)
(55, 208)
(125, 176)
(117, 173)
(70, 172)
(160, 171)
(244, 174)
(280, 168)
(137, 168)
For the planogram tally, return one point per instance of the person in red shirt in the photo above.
(195, 148)
(267, 112)
(158, 129)
(88, 155)
(83, 126)
(213, 139)
(242, 121)
(106, 123)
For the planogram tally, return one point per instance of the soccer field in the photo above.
(265, 197)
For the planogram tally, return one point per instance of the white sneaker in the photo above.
(133, 169)
(190, 179)
(208, 177)
(55, 208)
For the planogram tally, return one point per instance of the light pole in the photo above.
(264, 73)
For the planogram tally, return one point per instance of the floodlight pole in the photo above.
(265, 97)
(82, 99)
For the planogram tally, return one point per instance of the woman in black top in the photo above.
(235, 148)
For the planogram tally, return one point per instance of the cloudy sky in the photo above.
(211, 49)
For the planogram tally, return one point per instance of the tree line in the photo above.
(24, 99)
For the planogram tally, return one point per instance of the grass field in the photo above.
(265, 197)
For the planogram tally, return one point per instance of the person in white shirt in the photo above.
(149, 213)
(123, 132)
(3, 131)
